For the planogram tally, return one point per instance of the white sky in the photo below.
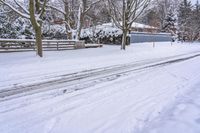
(194, 1)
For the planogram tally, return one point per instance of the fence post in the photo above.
(79, 44)
(32, 44)
(153, 44)
(57, 45)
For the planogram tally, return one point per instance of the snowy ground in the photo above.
(126, 91)
(17, 68)
(182, 117)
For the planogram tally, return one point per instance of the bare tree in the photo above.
(84, 7)
(74, 10)
(34, 12)
(124, 16)
(67, 9)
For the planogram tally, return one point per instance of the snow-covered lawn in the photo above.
(127, 103)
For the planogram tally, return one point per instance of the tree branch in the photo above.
(15, 10)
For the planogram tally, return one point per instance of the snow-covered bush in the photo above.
(105, 31)
(16, 29)
(54, 31)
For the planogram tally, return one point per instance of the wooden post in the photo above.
(57, 45)
(153, 44)
(32, 44)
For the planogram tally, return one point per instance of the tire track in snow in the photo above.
(90, 77)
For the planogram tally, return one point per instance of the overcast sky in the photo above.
(194, 1)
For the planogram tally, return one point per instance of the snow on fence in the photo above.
(12, 45)
(138, 37)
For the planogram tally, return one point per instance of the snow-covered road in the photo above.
(84, 79)
(182, 117)
(122, 104)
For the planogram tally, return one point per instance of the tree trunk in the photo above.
(124, 40)
(79, 27)
(128, 38)
(80, 21)
(69, 35)
(38, 34)
(37, 26)
(66, 16)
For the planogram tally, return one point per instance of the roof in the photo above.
(134, 25)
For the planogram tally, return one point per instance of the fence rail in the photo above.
(12, 45)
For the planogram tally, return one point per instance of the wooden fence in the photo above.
(12, 45)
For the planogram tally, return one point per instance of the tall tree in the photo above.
(67, 10)
(124, 13)
(34, 12)
(74, 12)
(196, 21)
(170, 23)
(162, 8)
(184, 19)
